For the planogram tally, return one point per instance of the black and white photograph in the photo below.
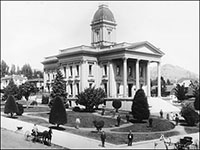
(100, 75)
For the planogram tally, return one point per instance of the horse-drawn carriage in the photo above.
(42, 137)
(185, 143)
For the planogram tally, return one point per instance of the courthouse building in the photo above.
(119, 68)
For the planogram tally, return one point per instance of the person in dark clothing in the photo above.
(103, 138)
(176, 119)
(118, 120)
(130, 138)
(161, 113)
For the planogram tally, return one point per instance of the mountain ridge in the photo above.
(173, 73)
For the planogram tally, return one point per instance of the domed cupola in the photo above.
(103, 13)
(103, 27)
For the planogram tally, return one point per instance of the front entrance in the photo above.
(130, 90)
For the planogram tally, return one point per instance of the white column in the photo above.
(159, 81)
(137, 75)
(148, 80)
(125, 76)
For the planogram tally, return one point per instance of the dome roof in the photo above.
(103, 13)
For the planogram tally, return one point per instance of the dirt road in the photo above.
(14, 140)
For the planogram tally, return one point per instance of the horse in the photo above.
(46, 135)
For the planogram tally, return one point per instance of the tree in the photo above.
(91, 97)
(26, 89)
(116, 104)
(59, 86)
(4, 68)
(195, 87)
(10, 106)
(98, 124)
(180, 92)
(18, 72)
(58, 114)
(13, 69)
(168, 82)
(140, 106)
(11, 89)
(27, 71)
(37, 74)
(163, 87)
(189, 114)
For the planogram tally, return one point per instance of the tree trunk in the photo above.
(11, 114)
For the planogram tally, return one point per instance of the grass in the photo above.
(85, 117)
(190, 130)
(158, 125)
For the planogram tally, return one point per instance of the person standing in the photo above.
(161, 113)
(78, 121)
(118, 120)
(103, 138)
(177, 119)
(130, 138)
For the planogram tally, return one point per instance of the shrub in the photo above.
(76, 109)
(188, 113)
(45, 99)
(98, 124)
(91, 97)
(140, 106)
(116, 104)
(58, 114)
(180, 92)
(20, 109)
(34, 103)
(10, 106)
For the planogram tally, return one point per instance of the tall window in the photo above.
(77, 70)
(77, 88)
(129, 71)
(118, 70)
(105, 69)
(118, 88)
(71, 72)
(90, 69)
(71, 88)
(65, 72)
(105, 88)
(48, 76)
(141, 71)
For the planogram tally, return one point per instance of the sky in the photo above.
(32, 30)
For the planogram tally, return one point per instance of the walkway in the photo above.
(73, 141)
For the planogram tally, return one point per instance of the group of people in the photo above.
(170, 116)
(130, 138)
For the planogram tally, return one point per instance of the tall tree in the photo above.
(13, 69)
(59, 86)
(163, 86)
(10, 106)
(27, 71)
(11, 89)
(140, 106)
(18, 72)
(4, 68)
(58, 114)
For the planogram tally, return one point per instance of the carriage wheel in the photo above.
(27, 135)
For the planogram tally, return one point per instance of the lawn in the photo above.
(158, 125)
(86, 119)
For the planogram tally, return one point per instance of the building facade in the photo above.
(119, 68)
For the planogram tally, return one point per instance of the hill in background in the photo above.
(173, 73)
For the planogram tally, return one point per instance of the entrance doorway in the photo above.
(130, 90)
